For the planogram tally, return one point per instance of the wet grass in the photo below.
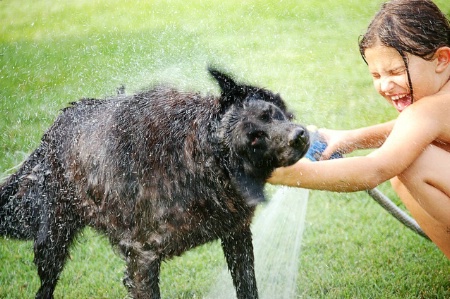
(52, 53)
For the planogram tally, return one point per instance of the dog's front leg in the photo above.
(238, 250)
(143, 269)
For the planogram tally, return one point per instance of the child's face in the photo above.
(390, 77)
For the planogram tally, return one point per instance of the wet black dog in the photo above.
(159, 173)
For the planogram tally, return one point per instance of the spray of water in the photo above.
(277, 235)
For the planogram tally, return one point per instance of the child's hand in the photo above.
(318, 146)
(339, 141)
(332, 143)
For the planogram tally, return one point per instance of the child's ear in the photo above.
(443, 59)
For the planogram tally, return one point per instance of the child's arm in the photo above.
(415, 129)
(346, 141)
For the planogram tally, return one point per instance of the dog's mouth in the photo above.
(297, 148)
(293, 155)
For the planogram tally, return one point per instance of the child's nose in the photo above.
(386, 84)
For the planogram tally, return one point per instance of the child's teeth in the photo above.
(394, 98)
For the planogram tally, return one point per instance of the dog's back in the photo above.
(29, 196)
(96, 153)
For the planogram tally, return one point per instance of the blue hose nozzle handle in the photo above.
(318, 145)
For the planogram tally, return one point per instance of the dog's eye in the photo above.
(265, 116)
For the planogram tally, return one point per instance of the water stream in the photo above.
(277, 236)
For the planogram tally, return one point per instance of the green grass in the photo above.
(52, 53)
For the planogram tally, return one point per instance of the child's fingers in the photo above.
(319, 146)
(331, 152)
(327, 153)
(331, 148)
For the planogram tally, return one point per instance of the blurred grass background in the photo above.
(55, 52)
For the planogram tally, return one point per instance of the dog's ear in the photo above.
(231, 91)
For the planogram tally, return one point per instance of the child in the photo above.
(407, 50)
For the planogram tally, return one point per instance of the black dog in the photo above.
(159, 173)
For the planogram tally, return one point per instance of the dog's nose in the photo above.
(298, 137)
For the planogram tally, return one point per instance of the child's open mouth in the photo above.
(402, 101)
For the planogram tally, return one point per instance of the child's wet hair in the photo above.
(417, 27)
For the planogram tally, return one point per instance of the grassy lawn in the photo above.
(55, 52)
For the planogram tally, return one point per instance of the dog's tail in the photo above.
(16, 206)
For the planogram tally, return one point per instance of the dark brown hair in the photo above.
(417, 27)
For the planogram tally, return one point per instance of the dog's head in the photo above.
(233, 93)
(257, 132)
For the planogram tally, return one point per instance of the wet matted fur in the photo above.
(158, 172)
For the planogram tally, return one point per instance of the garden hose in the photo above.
(395, 211)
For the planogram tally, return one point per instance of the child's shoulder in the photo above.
(430, 108)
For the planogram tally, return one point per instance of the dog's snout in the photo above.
(298, 137)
